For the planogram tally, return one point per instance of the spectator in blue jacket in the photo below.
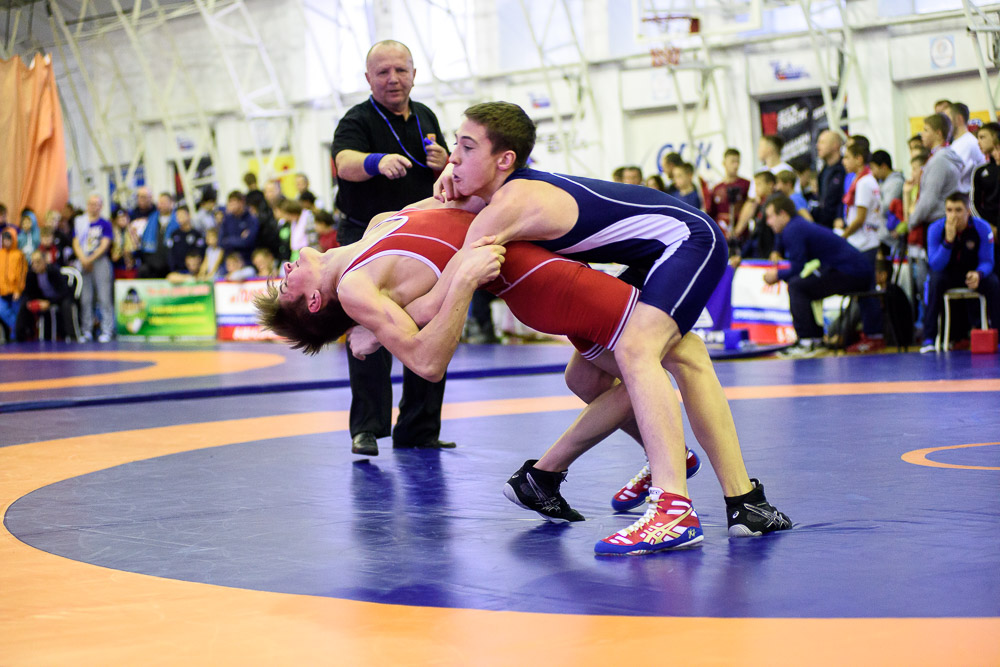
(239, 227)
(960, 254)
(841, 269)
(160, 228)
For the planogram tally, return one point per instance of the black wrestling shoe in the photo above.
(751, 515)
(364, 444)
(433, 444)
(538, 490)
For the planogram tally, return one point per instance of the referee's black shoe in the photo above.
(364, 444)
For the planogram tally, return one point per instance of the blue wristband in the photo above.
(371, 163)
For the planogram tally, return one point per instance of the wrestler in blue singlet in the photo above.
(676, 254)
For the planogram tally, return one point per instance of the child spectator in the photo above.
(684, 188)
(300, 222)
(210, 265)
(265, 264)
(326, 231)
(184, 238)
(756, 240)
(785, 182)
(124, 244)
(189, 273)
(47, 246)
(28, 235)
(656, 182)
(236, 270)
(727, 198)
(13, 273)
(864, 218)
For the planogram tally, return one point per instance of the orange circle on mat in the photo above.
(919, 457)
(168, 365)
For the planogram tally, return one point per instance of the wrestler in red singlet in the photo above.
(547, 292)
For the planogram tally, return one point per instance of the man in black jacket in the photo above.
(831, 179)
(44, 288)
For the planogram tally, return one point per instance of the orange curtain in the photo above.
(33, 167)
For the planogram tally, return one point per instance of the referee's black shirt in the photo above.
(363, 129)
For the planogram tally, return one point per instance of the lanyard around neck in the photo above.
(398, 141)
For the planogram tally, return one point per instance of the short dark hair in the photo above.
(882, 158)
(787, 177)
(858, 150)
(183, 207)
(861, 141)
(673, 158)
(507, 127)
(306, 331)
(958, 196)
(915, 138)
(3, 208)
(775, 141)
(781, 204)
(236, 194)
(766, 176)
(686, 166)
(657, 181)
(962, 110)
(250, 179)
(307, 197)
(922, 157)
(730, 151)
(290, 206)
(993, 128)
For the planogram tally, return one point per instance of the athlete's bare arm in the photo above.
(525, 210)
(425, 351)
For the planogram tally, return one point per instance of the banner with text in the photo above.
(234, 311)
(158, 309)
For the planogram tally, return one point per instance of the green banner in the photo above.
(158, 309)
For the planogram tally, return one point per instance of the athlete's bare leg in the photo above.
(606, 412)
(648, 337)
(704, 401)
(708, 412)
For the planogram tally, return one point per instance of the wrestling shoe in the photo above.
(751, 515)
(634, 493)
(670, 522)
(538, 490)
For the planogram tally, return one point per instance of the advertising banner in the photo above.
(234, 311)
(760, 308)
(160, 310)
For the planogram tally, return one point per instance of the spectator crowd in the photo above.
(251, 236)
(859, 226)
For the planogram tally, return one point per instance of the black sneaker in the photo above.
(538, 490)
(751, 515)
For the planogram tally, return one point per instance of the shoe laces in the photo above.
(651, 511)
(640, 476)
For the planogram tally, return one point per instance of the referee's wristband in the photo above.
(371, 163)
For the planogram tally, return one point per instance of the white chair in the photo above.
(943, 340)
(75, 281)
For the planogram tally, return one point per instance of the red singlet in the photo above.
(547, 292)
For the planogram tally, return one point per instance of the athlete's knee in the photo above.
(689, 354)
(586, 380)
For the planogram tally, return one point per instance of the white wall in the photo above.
(633, 111)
